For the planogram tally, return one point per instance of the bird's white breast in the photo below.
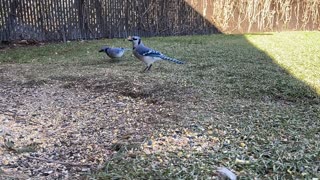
(146, 59)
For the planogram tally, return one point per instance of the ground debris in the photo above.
(51, 131)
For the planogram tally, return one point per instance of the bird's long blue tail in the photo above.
(171, 59)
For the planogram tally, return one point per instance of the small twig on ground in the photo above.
(57, 162)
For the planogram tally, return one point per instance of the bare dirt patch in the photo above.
(68, 126)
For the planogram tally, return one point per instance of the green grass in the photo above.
(254, 98)
(297, 53)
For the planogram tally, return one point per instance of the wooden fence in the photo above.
(89, 19)
(61, 20)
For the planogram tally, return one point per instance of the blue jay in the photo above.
(114, 52)
(148, 55)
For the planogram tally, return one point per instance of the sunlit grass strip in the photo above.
(297, 52)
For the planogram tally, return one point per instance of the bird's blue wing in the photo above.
(149, 52)
(118, 50)
(152, 53)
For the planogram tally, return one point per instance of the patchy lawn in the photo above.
(248, 103)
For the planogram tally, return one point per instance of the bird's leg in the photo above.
(149, 67)
(144, 70)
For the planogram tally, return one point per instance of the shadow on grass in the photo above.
(262, 115)
(228, 85)
(257, 110)
(243, 71)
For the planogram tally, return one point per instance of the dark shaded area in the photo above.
(153, 93)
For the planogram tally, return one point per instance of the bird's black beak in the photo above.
(101, 50)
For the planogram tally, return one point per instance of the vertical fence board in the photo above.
(2, 33)
(6, 19)
(34, 19)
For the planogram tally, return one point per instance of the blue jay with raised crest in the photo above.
(114, 52)
(148, 55)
